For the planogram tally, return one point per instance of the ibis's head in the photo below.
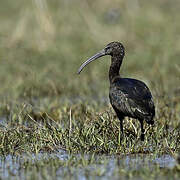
(112, 49)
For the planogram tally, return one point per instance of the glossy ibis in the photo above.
(128, 97)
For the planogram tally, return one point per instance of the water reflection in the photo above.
(102, 165)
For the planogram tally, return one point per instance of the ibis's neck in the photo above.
(116, 62)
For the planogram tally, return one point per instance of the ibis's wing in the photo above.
(132, 97)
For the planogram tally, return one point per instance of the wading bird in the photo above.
(128, 97)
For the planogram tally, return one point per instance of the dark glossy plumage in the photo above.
(128, 97)
(132, 98)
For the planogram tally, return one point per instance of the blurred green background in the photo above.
(43, 43)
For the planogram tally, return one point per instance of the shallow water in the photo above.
(3, 123)
(102, 166)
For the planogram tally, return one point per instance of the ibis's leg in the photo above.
(121, 124)
(121, 118)
(121, 127)
(142, 130)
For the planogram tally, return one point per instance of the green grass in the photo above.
(45, 105)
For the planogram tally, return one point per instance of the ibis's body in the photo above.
(128, 97)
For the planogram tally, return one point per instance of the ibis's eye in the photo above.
(107, 49)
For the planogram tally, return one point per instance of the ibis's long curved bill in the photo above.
(96, 56)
